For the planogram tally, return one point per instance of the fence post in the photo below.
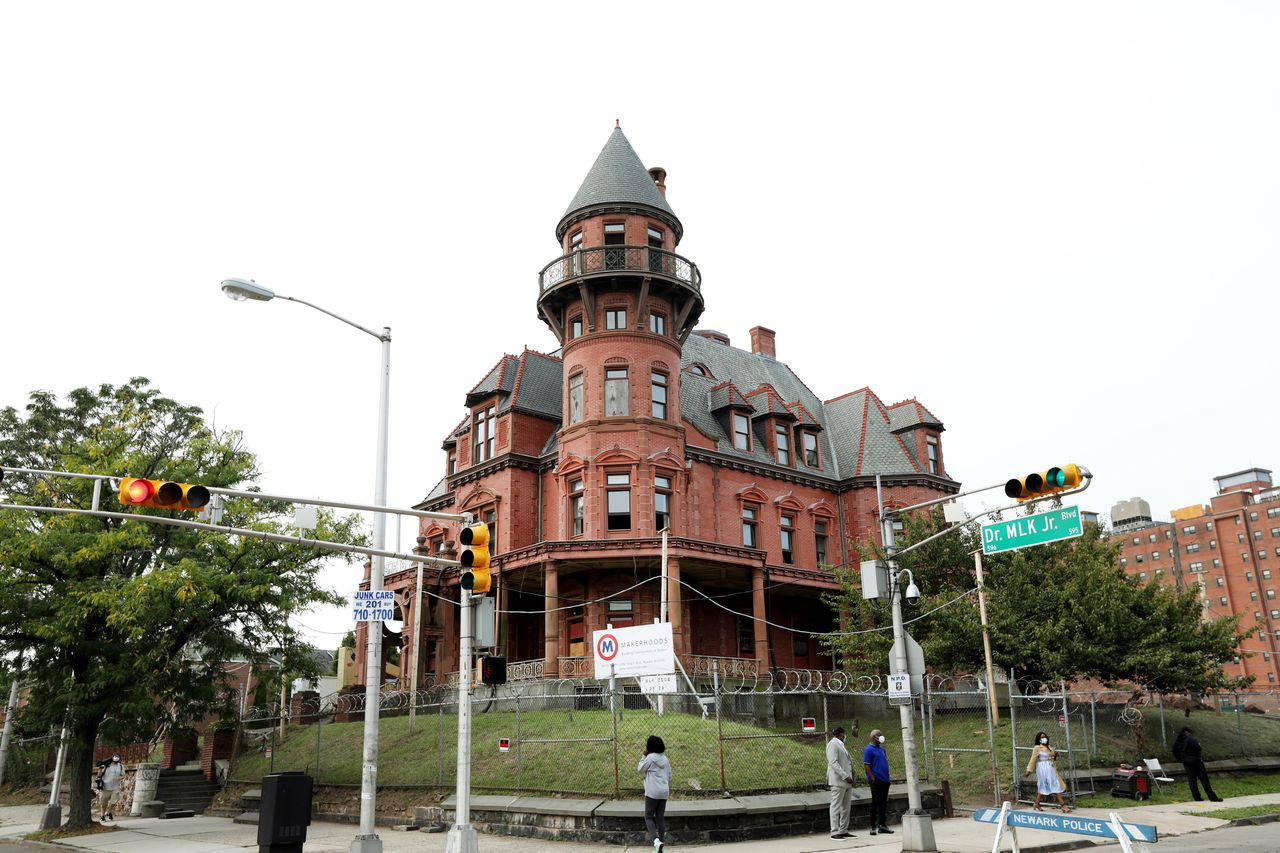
(319, 723)
(715, 687)
(1239, 725)
(991, 741)
(1164, 738)
(1093, 723)
(1013, 736)
(613, 715)
(1066, 718)
(926, 749)
(826, 730)
(440, 743)
(519, 769)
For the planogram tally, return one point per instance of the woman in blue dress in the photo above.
(1044, 763)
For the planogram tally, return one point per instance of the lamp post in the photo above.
(366, 841)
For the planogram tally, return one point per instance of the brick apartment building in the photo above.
(638, 421)
(1228, 549)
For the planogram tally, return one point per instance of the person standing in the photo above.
(1044, 763)
(840, 778)
(656, 769)
(1187, 750)
(111, 776)
(876, 762)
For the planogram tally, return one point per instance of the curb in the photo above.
(1256, 820)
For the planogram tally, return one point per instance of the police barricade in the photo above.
(1007, 821)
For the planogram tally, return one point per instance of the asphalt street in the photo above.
(1237, 839)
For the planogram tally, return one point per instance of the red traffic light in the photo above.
(136, 492)
(164, 494)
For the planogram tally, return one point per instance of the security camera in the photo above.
(912, 594)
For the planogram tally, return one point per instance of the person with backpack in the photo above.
(656, 770)
(108, 784)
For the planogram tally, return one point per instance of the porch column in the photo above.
(551, 620)
(757, 610)
(675, 613)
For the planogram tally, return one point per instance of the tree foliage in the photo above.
(1064, 610)
(124, 625)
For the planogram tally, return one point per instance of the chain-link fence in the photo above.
(743, 733)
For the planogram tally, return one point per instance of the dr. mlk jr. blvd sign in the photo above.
(1038, 529)
(635, 651)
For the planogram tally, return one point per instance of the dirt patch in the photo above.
(29, 796)
(69, 832)
(392, 802)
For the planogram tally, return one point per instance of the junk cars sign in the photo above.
(630, 652)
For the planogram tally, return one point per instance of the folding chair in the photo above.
(1156, 772)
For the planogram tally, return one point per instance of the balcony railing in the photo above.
(577, 667)
(526, 669)
(704, 665)
(605, 259)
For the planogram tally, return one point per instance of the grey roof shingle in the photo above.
(618, 177)
(910, 413)
(538, 385)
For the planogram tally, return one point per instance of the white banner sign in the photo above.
(635, 651)
(373, 606)
(899, 686)
(655, 684)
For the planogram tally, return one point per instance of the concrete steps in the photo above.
(185, 789)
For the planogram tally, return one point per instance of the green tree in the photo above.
(1063, 610)
(123, 623)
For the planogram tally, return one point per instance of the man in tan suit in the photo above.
(840, 778)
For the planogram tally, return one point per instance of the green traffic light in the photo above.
(1055, 478)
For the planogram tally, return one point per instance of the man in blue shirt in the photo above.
(876, 763)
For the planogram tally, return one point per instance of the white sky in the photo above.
(1055, 224)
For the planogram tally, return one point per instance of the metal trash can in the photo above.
(284, 813)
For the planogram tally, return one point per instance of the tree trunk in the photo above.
(79, 772)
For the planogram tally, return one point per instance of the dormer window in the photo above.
(483, 430)
(783, 445)
(809, 444)
(931, 445)
(741, 432)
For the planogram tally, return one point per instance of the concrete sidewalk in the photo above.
(220, 835)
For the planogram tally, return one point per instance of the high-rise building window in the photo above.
(615, 318)
(483, 430)
(810, 442)
(784, 445)
(661, 502)
(657, 324)
(741, 432)
(788, 532)
(1192, 547)
(617, 392)
(619, 500)
(749, 521)
(820, 541)
(576, 506)
(659, 394)
(575, 398)
(931, 445)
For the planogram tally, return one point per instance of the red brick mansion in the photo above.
(638, 421)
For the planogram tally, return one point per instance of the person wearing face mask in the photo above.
(1044, 763)
(840, 778)
(111, 776)
(876, 763)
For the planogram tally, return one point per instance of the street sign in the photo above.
(915, 663)
(900, 686)
(1077, 824)
(655, 684)
(808, 725)
(631, 652)
(504, 744)
(373, 605)
(1038, 529)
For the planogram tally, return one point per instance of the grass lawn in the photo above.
(570, 751)
(1243, 811)
(1224, 785)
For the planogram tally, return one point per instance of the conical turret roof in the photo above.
(617, 177)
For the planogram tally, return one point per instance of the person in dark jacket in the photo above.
(1187, 750)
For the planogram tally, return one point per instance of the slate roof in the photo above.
(858, 435)
(618, 177)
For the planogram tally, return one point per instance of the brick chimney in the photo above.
(659, 176)
(762, 342)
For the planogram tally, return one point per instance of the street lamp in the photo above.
(366, 841)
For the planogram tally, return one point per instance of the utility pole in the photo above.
(462, 835)
(417, 646)
(992, 699)
(52, 818)
(662, 607)
(917, 824)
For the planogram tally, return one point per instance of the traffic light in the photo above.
(493, 670)
(162, 494)
(1044, 483)
(475, 558)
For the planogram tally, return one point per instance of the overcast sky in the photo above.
(1054, 224)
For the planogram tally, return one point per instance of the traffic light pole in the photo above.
(462, 835)
(917, 824)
